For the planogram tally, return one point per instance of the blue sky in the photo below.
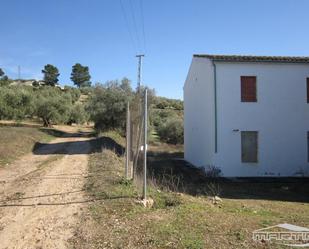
(95, 33)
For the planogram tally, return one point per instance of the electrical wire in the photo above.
(143, 25)
(134, 24)
(137, 38)
(128, 26)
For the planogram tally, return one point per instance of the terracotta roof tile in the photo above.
(250, 58)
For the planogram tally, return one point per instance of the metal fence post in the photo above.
(145, 147)
(128, 144)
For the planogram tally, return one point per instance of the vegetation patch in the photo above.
(17, 141)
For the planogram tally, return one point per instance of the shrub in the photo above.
(212, 171)
(165, 103)
(78, 114)
(53, 106)
(16, 103)
(159, 117)
(50, 104)
(53, 110)
(86, 90)
(107, 107)
(5, 81)
(171, 131)
(74, 92)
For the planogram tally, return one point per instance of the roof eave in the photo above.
(254, 59)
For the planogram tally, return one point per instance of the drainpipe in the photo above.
(215, 102)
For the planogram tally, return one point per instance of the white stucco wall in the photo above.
(199, 113)
(281, 116)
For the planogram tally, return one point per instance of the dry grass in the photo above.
(19, 138)
(17, 141)
(180, 220)
(159, 147)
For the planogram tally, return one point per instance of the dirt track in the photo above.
(41, 195)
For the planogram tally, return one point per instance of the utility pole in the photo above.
(139, 72)
(128, 142)
(18, 72)
(145, 147)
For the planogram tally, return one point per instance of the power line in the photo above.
(128, 26)
(134, 23)
(143, 26)
(137, 36)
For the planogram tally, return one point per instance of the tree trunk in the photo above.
(46, 123)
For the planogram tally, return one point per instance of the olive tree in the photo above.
(171, 131)
(107, 106)
(53, 106)
(16, 103)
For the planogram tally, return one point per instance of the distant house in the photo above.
(30, 82)
(39, 83)
(35, 83)
(248, 115)
(22, 82)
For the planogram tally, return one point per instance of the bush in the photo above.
(50, 104)
(86, 90)
(78, 114)
(171, 131)
(74, 92)
(159, 117)
(55, 106)
(16, 103)
(165, 103)
(212, 171)
(5, 81)
(107, 107)
(54, 110)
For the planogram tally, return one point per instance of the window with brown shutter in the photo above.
(307, 90)
(248, 89)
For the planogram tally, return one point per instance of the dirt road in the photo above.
(41, 195)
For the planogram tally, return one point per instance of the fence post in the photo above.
(145, 147)
(128, 144)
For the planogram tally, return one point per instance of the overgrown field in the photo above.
(16, 141)
(184, 214)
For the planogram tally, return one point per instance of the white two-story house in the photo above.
(248, 115)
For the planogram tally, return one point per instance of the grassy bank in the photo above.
(183, 215)
(18, 140)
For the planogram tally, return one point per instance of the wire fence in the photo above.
(135, 135)
(137, 120)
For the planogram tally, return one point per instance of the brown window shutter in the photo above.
(307, 90)
(248, 89)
